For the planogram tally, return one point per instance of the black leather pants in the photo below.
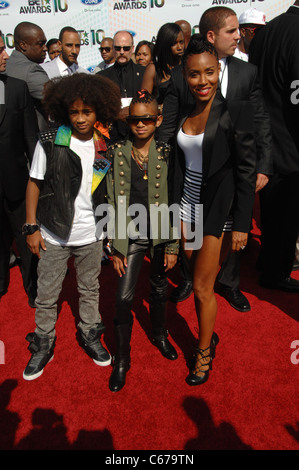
(127, 283)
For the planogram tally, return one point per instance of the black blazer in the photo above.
(18, 137)
(132, 77)
(275, 51)
(242, 85)
(129, 79)
(229, 167)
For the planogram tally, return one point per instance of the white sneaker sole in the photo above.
(103, 363)
(38, 374)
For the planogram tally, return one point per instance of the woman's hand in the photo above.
(239, 240)
(35, 242)
(119, 263)
(169, 261)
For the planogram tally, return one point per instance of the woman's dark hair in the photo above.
(96, 91)
(144, 96)
(166, 38)
(150, 45)
(197, 45)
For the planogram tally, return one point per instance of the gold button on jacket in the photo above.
(119, 183)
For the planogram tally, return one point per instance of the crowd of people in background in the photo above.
(199, 120)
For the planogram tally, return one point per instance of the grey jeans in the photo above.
(51, 271)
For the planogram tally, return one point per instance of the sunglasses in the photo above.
(125, 48)
(254, 29)
(105, 49)
(147, 119)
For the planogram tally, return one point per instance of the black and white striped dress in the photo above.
(191, 146)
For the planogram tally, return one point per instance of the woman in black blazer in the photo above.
(214, 166)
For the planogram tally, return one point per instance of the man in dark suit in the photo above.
(18, 137)
(24, 63)
(275, 51)
(238, 81)
(127, 75)
(107, 53)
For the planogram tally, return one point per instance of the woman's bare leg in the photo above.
(205, 264)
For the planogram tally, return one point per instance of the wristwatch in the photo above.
(29, 229)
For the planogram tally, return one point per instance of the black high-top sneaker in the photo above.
(92, 345)
(42, 352)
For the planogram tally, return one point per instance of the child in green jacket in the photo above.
(137, 180)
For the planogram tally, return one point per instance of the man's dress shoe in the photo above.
(235, 298)
(182, 292)
(287, 284)
(295, 265)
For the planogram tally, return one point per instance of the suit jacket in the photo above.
(33, 74)
(275, 51)
(131, 79)
(229, 167)
(102, 66)
(242, 85)
(18, 137)
(53, 71)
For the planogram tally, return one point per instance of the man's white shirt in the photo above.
(57, 68)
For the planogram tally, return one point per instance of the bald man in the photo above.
(124, 71)
(127, 75)
(24, 63)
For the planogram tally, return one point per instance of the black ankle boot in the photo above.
(118, 377)
(165, 347)
(159, 332)
(122, 360)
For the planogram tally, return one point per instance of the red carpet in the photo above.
(249, 403)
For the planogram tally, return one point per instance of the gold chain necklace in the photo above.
(141, 160)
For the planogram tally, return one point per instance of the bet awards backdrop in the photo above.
(95, 19)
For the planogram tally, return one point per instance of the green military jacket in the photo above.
(118, 192)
